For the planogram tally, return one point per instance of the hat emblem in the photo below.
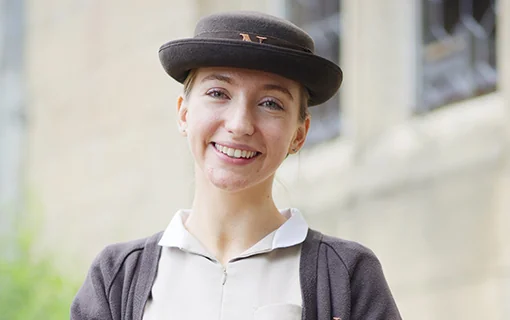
(246, 37)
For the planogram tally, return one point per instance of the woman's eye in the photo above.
(216, 94)
(273, 105)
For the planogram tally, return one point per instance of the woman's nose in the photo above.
(240, 121)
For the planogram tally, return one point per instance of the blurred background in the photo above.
(411, 158)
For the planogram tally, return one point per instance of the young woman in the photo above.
(249, 79)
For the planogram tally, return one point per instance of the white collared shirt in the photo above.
(261, 283)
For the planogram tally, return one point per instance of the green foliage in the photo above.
(31, 289)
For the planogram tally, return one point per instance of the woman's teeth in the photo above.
(235, 153)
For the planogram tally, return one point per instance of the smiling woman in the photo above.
(248, 81)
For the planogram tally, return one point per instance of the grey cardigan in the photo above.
(339, 280)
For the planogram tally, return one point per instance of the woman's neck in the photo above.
(229, 223)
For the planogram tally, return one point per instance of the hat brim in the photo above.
(320, 76)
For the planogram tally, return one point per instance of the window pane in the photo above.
(458, 53)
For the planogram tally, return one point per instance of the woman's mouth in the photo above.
(235, 153)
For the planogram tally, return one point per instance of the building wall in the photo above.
(427, 193)
(501, 221)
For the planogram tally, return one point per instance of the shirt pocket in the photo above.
(281, 311)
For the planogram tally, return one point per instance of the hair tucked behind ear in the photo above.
(188, 83)
(303, 104)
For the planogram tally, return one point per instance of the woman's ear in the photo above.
(182, 114)
(300, 136)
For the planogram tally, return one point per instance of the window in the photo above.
(321, 19)
(458, 56)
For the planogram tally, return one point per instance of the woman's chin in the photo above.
(229, 183)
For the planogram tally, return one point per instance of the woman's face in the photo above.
(241, 124)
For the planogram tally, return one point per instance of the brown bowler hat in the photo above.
(253, 40)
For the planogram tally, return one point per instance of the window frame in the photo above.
(458, 53)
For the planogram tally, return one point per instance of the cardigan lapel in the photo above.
(146, 275)
(308, 273)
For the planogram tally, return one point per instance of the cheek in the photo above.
(201, 125)
(280, 132)
(279, 136)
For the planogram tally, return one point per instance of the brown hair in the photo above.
(303, 99)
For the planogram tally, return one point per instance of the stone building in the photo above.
(412, 159)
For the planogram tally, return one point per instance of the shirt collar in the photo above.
(290, 233)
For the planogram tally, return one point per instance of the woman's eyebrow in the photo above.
(279, 88)
(219, 77)
(229, 80)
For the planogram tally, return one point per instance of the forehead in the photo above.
(240, 76)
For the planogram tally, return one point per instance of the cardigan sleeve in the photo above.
(371, 297)
(91, 301)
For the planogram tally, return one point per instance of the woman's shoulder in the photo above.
(114, 269)
(353, 271)
(348, 247)
(114, 256)
(352, 254)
